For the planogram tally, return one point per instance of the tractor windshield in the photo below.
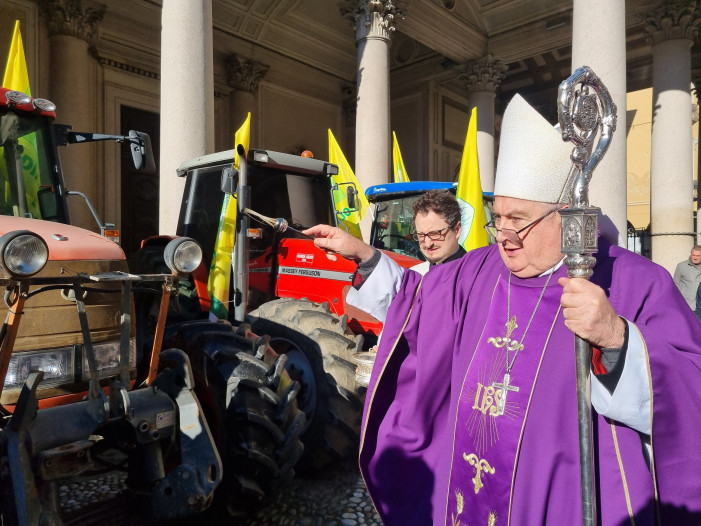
(392, 226)
(302, 200)
(393, 223)
(27, 185)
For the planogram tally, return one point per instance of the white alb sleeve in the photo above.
(378, 290)
(630, 401)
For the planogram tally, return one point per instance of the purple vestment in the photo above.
(427, 423)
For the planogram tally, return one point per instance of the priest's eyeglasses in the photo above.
(435, 235)
(513, 235)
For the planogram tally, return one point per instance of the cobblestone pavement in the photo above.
(336, 497)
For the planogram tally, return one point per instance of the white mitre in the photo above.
(534, 161)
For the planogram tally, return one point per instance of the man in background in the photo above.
(687, 276)
(436, 229)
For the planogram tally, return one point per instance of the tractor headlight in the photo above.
(44, 105)
(14, 98)
(62, 365)
(107, 358)
(57, 365)
(22, 253)
(183, 255)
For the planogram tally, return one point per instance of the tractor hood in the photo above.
(66, 242)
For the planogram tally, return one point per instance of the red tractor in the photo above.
(213, 414)
(282, 286)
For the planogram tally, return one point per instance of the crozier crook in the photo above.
(586, 112)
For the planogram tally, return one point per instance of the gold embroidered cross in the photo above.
(481, 465)
(511, 325)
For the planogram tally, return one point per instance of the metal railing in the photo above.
(639, 241)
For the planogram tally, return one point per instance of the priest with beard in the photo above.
(471, 413)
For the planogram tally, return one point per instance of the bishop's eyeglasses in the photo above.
(513, 235)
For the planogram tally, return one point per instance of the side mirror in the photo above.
(141, 151)
(47, 203)
(352, 197)
(229, 180)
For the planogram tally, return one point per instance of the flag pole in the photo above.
(586, 111)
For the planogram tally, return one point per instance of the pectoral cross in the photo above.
(505, 387)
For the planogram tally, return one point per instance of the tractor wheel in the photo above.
(8, 512)
(319, 347)
(250, 404)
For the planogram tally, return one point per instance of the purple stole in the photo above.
(487, 438)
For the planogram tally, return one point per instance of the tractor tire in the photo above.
(8, 512)
(250, 405)
(319, 346)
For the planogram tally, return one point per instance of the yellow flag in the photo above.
(17, 78)
(346, 175)
(400, 175)
(220, 269)
(469, 193)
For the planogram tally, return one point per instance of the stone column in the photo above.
(72, 89)
(482, 78)
(187, 97)
(374, 21)
(599, 41)
(349, 108)
(696, 117)
(672, 31)
(243, 76)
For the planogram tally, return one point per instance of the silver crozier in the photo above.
(586, 112)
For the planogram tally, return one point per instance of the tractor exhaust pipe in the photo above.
(240, 259)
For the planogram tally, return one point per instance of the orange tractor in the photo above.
(211, 417)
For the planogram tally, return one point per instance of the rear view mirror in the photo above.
(141, 151)
(352, 197)
(229, 180)
(47, 203)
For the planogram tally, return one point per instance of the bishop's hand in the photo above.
(333, 240)
(589, 314)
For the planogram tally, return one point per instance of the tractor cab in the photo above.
(29, 174)
(297, 189)
(31, 179)
(392, 224)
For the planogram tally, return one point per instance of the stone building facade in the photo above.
(188, 71)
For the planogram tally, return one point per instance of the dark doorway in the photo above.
(139, 191)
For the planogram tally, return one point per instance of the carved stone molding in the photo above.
(116, 64)
(244, 74)
(69, 17)
(372, 18)
(674, 20)
(484, 74)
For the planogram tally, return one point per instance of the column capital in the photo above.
(68, 17)
(674, 20)
(484, 74)
(372, 18)
(243, 74)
